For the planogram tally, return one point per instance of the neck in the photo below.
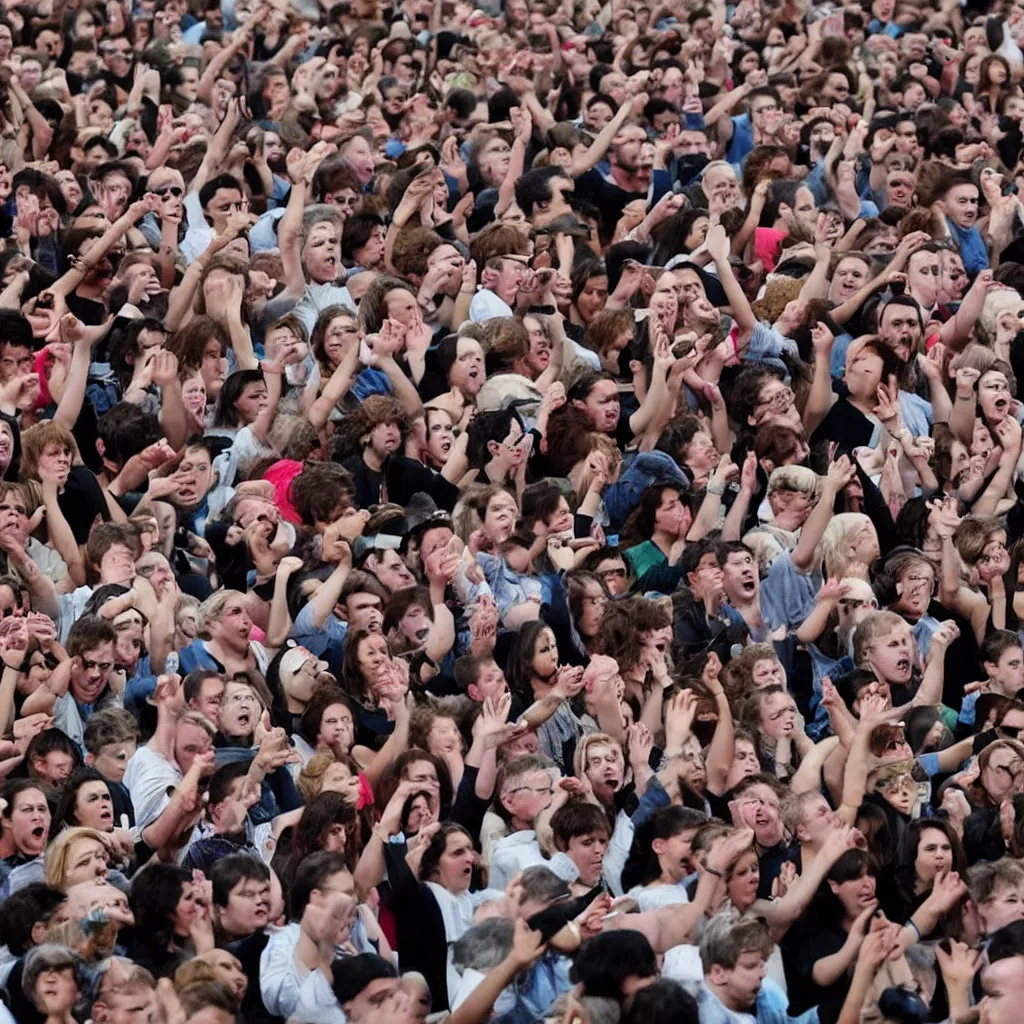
(864, 405)
(496, 471)
(372, 459)
(520, 825)
(295, 707)
(663, 540)
(725, 998)
(808, 852)
(749, 610)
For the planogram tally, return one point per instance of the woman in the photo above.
(376, 681)
(662, 857)
(335, 346)
(771, 715)
(54, 978)
(432, 904)
(683, 232)
(202, 347)
(328, 823)
(224, 643)
(172, 918)
(994, 82)
(435, 728)
(246, 408)
(995, 783)
(587, 597)
(665, 519)
(589, 295)
(76, 855)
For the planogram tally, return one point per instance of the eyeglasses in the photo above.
(171, 190)
(350, 201)
(608, 574)
(533, 789)
(780, 400)
(598, 600)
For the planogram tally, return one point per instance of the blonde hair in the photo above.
(582, 752)
(311, 778)
(873, 627)
(34, 442)
(56, 864)
(794, 478)
(212, 609)
(832, 555)
(995, 303)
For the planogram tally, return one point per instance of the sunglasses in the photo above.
(171, 190)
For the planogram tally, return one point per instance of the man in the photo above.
(500, 281)
(525, 790)
(541, 193)
(480, 677)
(756, 804)
(809, 819)
(628, 178)
(745, 131)
(208, 213)
(113, 184)
(958, 203)
(204, 692)
(90, 645)
(581, 836)
(16, 353)
(1003, 984)
(734, 954)
(126, 993)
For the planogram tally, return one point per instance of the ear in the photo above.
(939, 206)
(718, 975)
(834, 886)
(101, 448)
(494, 449)
(489, 276)
(506, 802)
(766, 464)
(658, 846)
(473, 692)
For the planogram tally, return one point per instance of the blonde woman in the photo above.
(76, 855)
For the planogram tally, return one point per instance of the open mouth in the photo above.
(422, 634)
(1002, 403)
(903, 665)
(39, 832)
(244, 719)
(106, 815)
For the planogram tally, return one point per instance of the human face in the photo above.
(776, 405)
(467, 372)
(614, 575)
(93, 806)
(740, 578)
(759, 808)
(223, 203)
(994, 560)
(672, 517)
(341, 332)
(981, 440)
(455, 868)
(359, 154)
(851, 275)
(1003, 983)
(994, 395)
(321, 254)
(15, 359)
(917, 583)
(863, 372)
(233, 626)
(602, 406)
(56, 461)
(778, 715)
(90, 672)
(214, 367)
(55, 993)
(118, 565)
(587, 853)
(1003, 907)
(592, 299)
(189, 740)
(197, 473)
(891, 657)
(1001, 773)
(337, 729)
(592, 608)
(545, 656)
(605, 767)
(900, 329)
(29, 822)
(401, 305)
(240, 711)
(899, 188)
(119, 1006)
(923, 270)
(490, 682)
(934, 855)
(414, 625)
(597, 116)
(855, 894)
(1008, 671)
(539, 357)
(819, 821)
(372, 658)
(227, 967)
(86, 862)
(768, 672)
(252, 401)
(193, 393)
(364, 611)
(743, 881)
(742, 983)
(111, 762)
(392, 572)
(211, 698)
(961, 205)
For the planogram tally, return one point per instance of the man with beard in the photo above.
(628, 178)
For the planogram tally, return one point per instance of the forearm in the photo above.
(477, 1007)
(986, 504)
(441, 638)
(173, 415)
(327, 595)
(70, 406)
(180, 303)
(280, 623)
(858, 997)
(265, 420)
(929, 692)
(706, 518)
(819, 401)
(8, 682)
(732, 529)
(829, 969)
(61, 535)
(288, 234)
(506, 191)
(813, 530)
(405, 391)
(962, 416)
(808, 776)
(597, 149)
(814, 625)
(723, 745)
(652, 402)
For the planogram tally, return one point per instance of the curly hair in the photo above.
(376, 410)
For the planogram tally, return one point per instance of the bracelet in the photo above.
(913, 924)
(714, 871)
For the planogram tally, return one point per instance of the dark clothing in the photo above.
(845, 425)
(402, 477)
(82, 502)
(249, 950)
(812, 938)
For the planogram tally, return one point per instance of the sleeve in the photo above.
(787, 595)
(468, 809)
(279, 976)
(653, 799)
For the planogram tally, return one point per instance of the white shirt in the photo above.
(316, 298)
(148, 777)
(486, 305)
(199, 234)
(512, 854)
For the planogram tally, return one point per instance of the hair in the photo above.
(311, 874)
(22, 910)
(973, 535)
(737, 675)
(58, 852)
(102, 537)
(726, 939)
(66, 812)
(352, 974)
(577, 818)
(51, 957)
(642, 866)
(604, 962)
(189, 342)
(204, 994)
(431, 862)
(997, 643)
(664, 1001)
(232, 869)
(873, 627)
(155, 893)
(35, 440)
(321, 813)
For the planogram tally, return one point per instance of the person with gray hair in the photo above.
(53, 981)
(793, 492)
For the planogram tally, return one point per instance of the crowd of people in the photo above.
(511, 513)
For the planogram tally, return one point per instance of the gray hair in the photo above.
(49, 956)
(485, 945)
(540, 884)
(598, 1009)
(794, 478)
(318, 213)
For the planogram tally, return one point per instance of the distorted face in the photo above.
(359, 154)
(226, 967)
(234, 624)
(545, 656)
(891, 656)
(994, 559)
(597, 116)
(778, 715)
(854, 894)
(210, 698)
(602, 406)
(592, 299)
(692, 769)
(55, 461)
(121, 1005)
(117, 565)
(337, 728)
(900, 328)
(440, 435)
(193, 394)
(1003, 907)
(29, 822)
(934, 855)
(700, 454)
(606, 767)
(743, 880)
(56, 992)
(1001, 772)
(455, 867)
(744, 763)
(614, 575)
(39, 672)
(850, 276)
(953, 281)
(538, 358)
(500, 515)
(593, 601)
(768, 672)
(86, 861)
(385, 439)
(587, 853)
(334, 838)
(981, 440)
(112, 759)
(341, 333)
(321, 255)
(675, 855)
(196, 469)
(923, 270)
(252, 401)
(373, 658)
(93, 806)
(994, 395)
(672, 516)
(740, 578)
(916, 583)
(240, 710)
(759, 807)
(863, 371)
(493, 160)
(961, 205)
(415, 624)
(1008, 670)
(776, 405)
(741, 983)
(54, 767)
(90, 672)
(214, 367)
(818, 822)
(467, 372)
(391, 572)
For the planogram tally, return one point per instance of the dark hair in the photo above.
(126, 430)
(22, 910)
(435, 849)
(230, 391)
(607, 960)
(351, 974)
(358, 230)
(320, 814)
(311, 874)
(577, 818)
(220, 781)
(88, 633)
(664, 1001)
(518, 669)
(12, 789)
(155, 893)
(214, 185)
(227, 872)
(322, 699)
(539, 502)
(64, 816)
(535, 187)
(52, 741)
(486, 427)
(642, 866)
